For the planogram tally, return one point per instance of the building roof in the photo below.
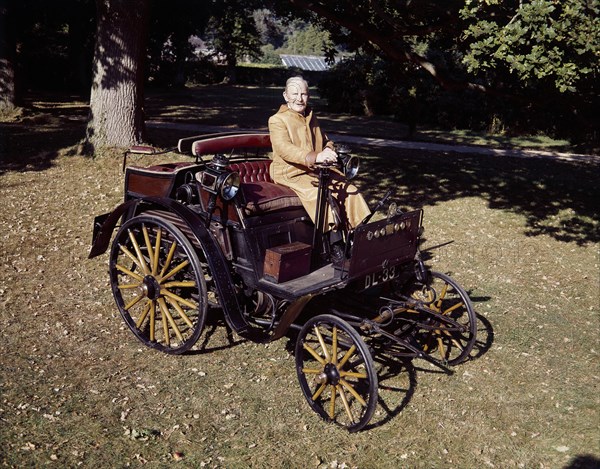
(305, 62)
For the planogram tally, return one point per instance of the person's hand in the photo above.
(327, 156)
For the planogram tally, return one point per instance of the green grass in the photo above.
(466, 137)
(77, 388)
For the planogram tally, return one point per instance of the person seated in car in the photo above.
(298, 145)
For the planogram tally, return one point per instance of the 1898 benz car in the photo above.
(217, 234)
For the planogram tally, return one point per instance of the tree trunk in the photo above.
(231, 76)
(7, 60)
(116, 102)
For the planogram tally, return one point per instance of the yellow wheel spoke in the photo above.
(349, 353)
(175, 270)
(452, 339)
(442, 296)
(183, 284)
(165, 292)
(128, 286)
(319, 391)
(152, 321)
(165, 310)
(129, 254)
(346, 405)
(148, 246)
(357, 396)
(169, 258)
(457, 344)
(133, 302)
(180, 311)
(441, 348)
(156, 251)
(165, 320)
(138, 251)
(334, 348)
(332, 402)
(145, 312)
(126, 271)
(427, 341)
(353, 374)
(452, 308)
(311, 371)
(322, 342)
(315, 355)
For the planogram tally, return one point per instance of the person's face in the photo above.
(296, 96)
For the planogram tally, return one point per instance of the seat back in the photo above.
(253, 171)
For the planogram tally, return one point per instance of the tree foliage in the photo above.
(233, 34)
(172, 24)
(541, 42)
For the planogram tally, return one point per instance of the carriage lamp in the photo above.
(217, 179)
(347, 163)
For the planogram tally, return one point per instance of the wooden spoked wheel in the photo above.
(158, 284)
(447, 327)
(336, 372)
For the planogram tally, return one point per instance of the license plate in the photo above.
(379, 277)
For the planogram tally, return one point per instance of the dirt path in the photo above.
(405, 144)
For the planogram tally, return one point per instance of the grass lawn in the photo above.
(77, 388)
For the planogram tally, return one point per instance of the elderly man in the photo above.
(298, 144)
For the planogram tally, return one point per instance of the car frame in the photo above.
(217, 233)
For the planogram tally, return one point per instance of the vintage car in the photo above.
(216, 234)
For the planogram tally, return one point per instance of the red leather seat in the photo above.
(260, 193)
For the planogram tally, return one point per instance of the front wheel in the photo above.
(158, 284)
(336, 372)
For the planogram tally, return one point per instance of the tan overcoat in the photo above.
(296, 139)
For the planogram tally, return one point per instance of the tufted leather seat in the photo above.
(253, 171)
(260, 193)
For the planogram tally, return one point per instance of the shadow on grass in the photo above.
(485, 336)
(215, 322)
(555, 197)
(393, 396)
(23, 148)
(35, 141)
(585, 461)
(226, 105)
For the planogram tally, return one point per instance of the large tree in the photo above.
(7, 59)
(116, 102)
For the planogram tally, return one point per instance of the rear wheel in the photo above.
(336, 372)
(158, 284)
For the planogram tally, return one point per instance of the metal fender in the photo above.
(217, 262)
(109, 221)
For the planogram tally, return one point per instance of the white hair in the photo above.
(295, 79)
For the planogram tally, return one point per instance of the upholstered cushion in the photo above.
(267, 196)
